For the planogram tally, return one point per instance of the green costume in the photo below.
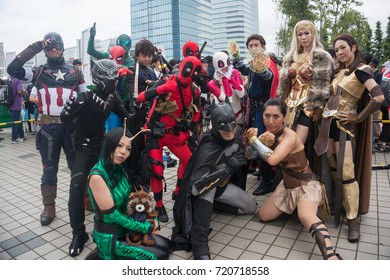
(110, 226)
(124, 83)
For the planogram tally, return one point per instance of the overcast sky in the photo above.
(27, 21)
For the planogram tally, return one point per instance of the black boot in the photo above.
(267, 179)
(162, 214)
(264, 188)
(77, 244)
(49, 194)
(201, 217)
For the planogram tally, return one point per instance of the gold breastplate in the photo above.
(350, 91)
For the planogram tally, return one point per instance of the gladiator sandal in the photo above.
(319, 237)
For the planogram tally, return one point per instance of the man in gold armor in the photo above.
(345, 132)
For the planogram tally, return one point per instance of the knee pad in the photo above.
(351, 199)
(348, 169)
(350, 189)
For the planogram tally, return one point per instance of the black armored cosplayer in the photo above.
(213, 177)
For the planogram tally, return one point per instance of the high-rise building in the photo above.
(169, 24)
(234, 21)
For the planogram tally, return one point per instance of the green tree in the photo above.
(292, 11)
(377, 49)
(369, 44)
(331, 17)
(386, 42)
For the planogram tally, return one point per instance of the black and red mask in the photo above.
(189, 70)
(191, 49)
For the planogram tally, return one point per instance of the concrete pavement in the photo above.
(233, 237)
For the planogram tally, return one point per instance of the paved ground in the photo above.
(233, 237)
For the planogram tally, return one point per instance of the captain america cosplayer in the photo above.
(90, 111)
(173, 115)
(211, 179)
(56, 82)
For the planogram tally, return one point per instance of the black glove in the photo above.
(68, 105)
(70, 110)
(236, 161)
(138, 116)
(92, 30)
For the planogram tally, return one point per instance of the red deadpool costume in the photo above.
(171, 119)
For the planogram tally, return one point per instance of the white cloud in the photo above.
(27, 21)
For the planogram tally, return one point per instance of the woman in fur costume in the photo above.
(304, 82)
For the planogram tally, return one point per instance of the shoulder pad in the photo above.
(365, 68)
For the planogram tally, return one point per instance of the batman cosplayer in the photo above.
(211, 178)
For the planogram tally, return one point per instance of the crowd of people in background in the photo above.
(292, 120)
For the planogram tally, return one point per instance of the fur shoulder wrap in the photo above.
(322, 67)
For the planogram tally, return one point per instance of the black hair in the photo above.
(173, 62)
(367, 57)
(155, 58)
(144, 47)
(276, 102)
(332, 53)
(255, 37)
(111, 141)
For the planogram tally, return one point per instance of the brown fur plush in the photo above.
(140, 208)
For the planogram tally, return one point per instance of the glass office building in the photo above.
(169, 24)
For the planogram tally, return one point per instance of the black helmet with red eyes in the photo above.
(191, 49)
(189, 70)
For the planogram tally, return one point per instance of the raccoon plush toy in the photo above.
(140, 208)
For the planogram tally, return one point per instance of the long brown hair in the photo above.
(358, 54)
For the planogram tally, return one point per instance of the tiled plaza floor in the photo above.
(233, 237)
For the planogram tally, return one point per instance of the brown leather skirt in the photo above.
(286, 200)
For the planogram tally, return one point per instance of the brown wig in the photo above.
(358, 54)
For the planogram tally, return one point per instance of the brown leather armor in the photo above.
(296, 170)
(348, 93)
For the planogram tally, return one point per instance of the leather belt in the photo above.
(106, 228)
(45, 119)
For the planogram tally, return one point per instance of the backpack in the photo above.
(8, 94)
(385, 86)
